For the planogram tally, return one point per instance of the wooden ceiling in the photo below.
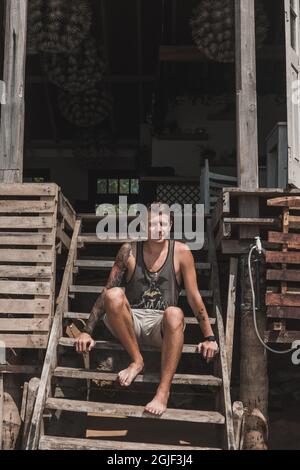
(132, 32)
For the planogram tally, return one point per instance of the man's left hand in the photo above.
(208, 349)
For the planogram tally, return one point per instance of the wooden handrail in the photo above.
(51, 354)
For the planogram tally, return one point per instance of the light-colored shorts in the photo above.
(147, 325)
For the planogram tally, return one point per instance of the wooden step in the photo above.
(68, 443)
(79, 289)
(85, 316)
(92, 239)
(131, 411)
(108, 264)
(179, 379)
(111, 345)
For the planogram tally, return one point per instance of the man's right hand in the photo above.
(84, 343)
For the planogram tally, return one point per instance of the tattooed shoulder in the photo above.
(124, 254)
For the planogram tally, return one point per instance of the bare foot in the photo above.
(127, 376)
(158, 405)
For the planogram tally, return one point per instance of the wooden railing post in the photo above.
(13, 111)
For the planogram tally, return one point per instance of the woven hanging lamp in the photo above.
(93, 147)
(213, 28)
(78, 71)
(57, 26)
(86, 109)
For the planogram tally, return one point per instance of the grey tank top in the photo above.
(153, 290)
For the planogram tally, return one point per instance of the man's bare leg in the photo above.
(120, 319)
(173, 330)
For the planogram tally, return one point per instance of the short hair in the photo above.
(160, 203)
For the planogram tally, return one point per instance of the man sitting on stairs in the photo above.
(147, 312)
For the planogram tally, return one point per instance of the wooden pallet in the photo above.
(30, 216)
(283, 277)
(38, 438)
(225, 218)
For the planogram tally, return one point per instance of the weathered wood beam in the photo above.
(13, 111)
(230, 317)
(247, 132)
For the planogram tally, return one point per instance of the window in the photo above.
(36, 176)
(118, 186)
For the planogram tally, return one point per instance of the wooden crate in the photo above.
(28, 224)
(226, 221)
(283, 274)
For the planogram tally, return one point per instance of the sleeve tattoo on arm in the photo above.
(115, 280)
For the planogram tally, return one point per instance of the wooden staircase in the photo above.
(194, 377)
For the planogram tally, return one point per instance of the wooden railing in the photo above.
(55, 334)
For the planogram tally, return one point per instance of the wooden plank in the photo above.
(251, 221)
(291, 275)
(285, 300)
(26, 238)
(26, 222)
(178, 379)
(114, 346)
(291, 257)
(22, 306)
(61, 235)
(93, 239)
(26, 256)
(24, 341)
(22, 370)
(288, 337)
(99, 289)
(107, 264)
(24, 287)
(51, 355)
(66, 210)
(32, 393)
(36, 272)
(85, 316)
(277, 311)
(13, 112)
(225, 390)
(247, 131)
(261, 192)
(28, 189)
(21, 324)
(292, 202)
(26, 207)
(24, 400)
(67, 443)
(294, 222)
(131, 411)
(238, 423)
(230, 317)
(291, 239)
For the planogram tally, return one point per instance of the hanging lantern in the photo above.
(213, 28)
(78, 71)
(93, 147)
(58, 25)
(86, 109)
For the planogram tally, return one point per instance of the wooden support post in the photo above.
(247, 134)
(32, 391)
(238, 420)
(13, 111)
(230, 317)
(253, 361)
